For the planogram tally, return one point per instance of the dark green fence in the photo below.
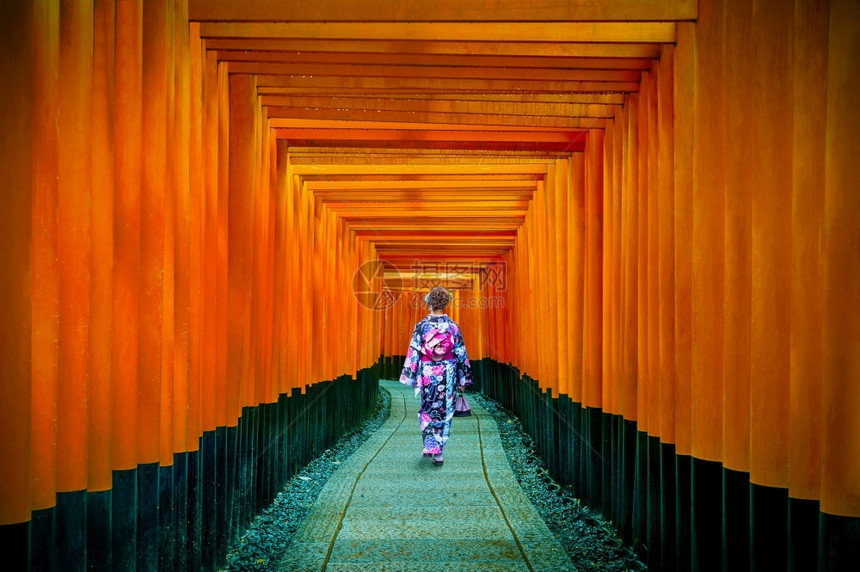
(184, 517)
(679, 512)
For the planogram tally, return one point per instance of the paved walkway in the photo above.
(389, 509)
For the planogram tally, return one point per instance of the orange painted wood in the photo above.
(189, 241)
(226, 389)
(44, 268)
(22, 23)
(247, 53)
(181, 186)
(629, 254)
(840, 470)
(239, 241)
(809, 77)
(152, 199)
(643, 265)
(577, 244)
(280, 268)
(210, 265)
(442, 85)
(552, 278)
(577, 118)
(602, 32)
(99, 386)
(665, 189)
(446, 10)
(708, 246)
(197, 238)
(561, 239)
(770, 320)
(427, 71)
(607, 264)
(739, 191)
(684, 84)
(127, 159)
(519, 49)
(168, 339)
(592, 376)
(73, 240)
(653, 326)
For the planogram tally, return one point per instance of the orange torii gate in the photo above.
(648, 211)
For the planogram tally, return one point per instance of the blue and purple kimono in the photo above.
(436, 364)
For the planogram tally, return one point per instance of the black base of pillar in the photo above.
(683, 518)
(99, 533)
(802, 535)
(72, 530)
(839, 543)
(706, 515)
(667, 508)
(16, 540)
(736, 520)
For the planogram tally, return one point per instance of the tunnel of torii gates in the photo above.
(219, 219)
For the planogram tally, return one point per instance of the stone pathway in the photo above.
(388, 509)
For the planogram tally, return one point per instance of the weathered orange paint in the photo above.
(770, 316)
(152, 197)
(708, 244)
(592, 376)
(680, 250)
(126, 254)
(809, 77)
(840, 469)
(99, 386)
(74, 127)
(683, 80)
(45, 300)
(665, 190)
(22, 24)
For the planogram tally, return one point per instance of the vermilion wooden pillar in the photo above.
(45, 266)
(840, 470)
(809, 83)
(684, 87)
(22, 24)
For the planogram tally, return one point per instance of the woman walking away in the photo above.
(436, 365)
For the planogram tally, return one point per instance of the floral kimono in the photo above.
(436, 363)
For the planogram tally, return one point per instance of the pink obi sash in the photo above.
(448, 356)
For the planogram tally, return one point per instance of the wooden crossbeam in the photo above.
(453, 96)
(529, 109)
(463, 206)
(470, 47)
(568, 140)
(517, 31)
(500, 120)
(446, 171)
(443, 10)
(371, 226)
(422, 195)
(341, 83)
(435, 72)
(295, 57)
(486, 185)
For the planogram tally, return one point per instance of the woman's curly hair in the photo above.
(438, 298)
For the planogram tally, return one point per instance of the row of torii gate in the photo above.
(648, 212)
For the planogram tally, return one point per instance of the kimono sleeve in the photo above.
(409, 374)
(464, 369)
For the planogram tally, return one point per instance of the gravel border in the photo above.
(262, 546)
(590, 541)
